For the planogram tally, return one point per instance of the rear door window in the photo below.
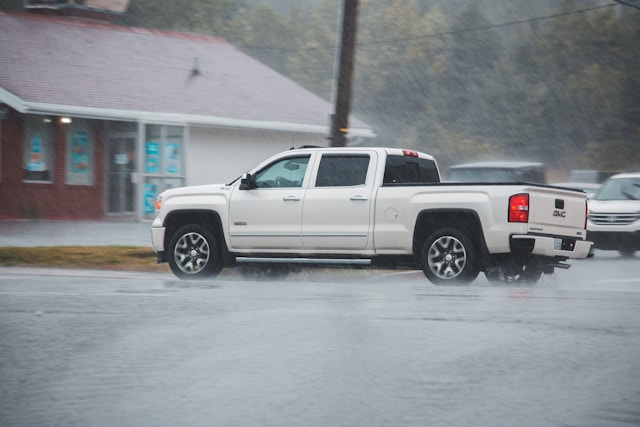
(342, 170)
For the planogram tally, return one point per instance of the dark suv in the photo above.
(532, 172)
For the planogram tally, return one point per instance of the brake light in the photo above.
(519, 208)
(586, 213)
(410, 153)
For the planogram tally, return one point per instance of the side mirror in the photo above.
(248, 182)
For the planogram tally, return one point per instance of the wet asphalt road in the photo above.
(337, 348)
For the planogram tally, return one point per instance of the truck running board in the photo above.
(286, 260)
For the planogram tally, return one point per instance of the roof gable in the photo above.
(94, 66)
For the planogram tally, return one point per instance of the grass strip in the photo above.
(132, 258)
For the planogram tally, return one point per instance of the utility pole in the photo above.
(340, 119)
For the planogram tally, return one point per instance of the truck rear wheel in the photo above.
(448, 257)
(194, 253)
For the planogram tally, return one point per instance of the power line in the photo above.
(493, 26)
(627, 4)
(450, 33)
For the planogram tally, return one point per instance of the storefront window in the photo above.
(152, 154)
(163, 163)
(79, 153)
(38, 149)
(173, 151)
(153, 187)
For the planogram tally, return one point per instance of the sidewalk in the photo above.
(28, 233)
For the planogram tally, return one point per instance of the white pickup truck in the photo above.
(368, 207)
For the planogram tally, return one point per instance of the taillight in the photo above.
(410, 153)
(586, 213)
(519, 208)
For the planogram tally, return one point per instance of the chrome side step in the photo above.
(343, 261)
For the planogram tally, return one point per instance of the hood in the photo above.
(614, 206)
(194, 189)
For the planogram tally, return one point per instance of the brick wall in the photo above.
(55, 200)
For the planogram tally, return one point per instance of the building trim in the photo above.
(28, 107)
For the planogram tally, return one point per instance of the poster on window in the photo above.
(36, 163)
(172, 157)
(80, 152)
(152, 164)
(150, 194)
(79, 159)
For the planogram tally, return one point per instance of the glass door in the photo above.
(121, 174)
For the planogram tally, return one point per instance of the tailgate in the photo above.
(558, 212)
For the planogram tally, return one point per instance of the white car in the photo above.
(614, 214)
(500, 171)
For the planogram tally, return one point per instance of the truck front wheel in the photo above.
(448, 257)
(194, 253)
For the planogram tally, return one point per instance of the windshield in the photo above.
(619, 189)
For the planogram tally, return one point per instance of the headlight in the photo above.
(158, 202)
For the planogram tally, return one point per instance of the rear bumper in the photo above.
(550, 246)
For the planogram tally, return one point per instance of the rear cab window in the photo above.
(409, 170)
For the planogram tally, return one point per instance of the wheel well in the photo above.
(463, 220)
(208, 219)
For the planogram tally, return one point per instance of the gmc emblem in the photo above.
(559, 213)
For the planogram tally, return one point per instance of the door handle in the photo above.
(291, 198)
(359, 198)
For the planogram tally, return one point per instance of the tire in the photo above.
(449, 257)
(194, 253)
(529, 274)
(264, 271)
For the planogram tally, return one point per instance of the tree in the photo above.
(272, 38)
(584, 89)
(197, 16)
(396, 64)
(562, 89)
